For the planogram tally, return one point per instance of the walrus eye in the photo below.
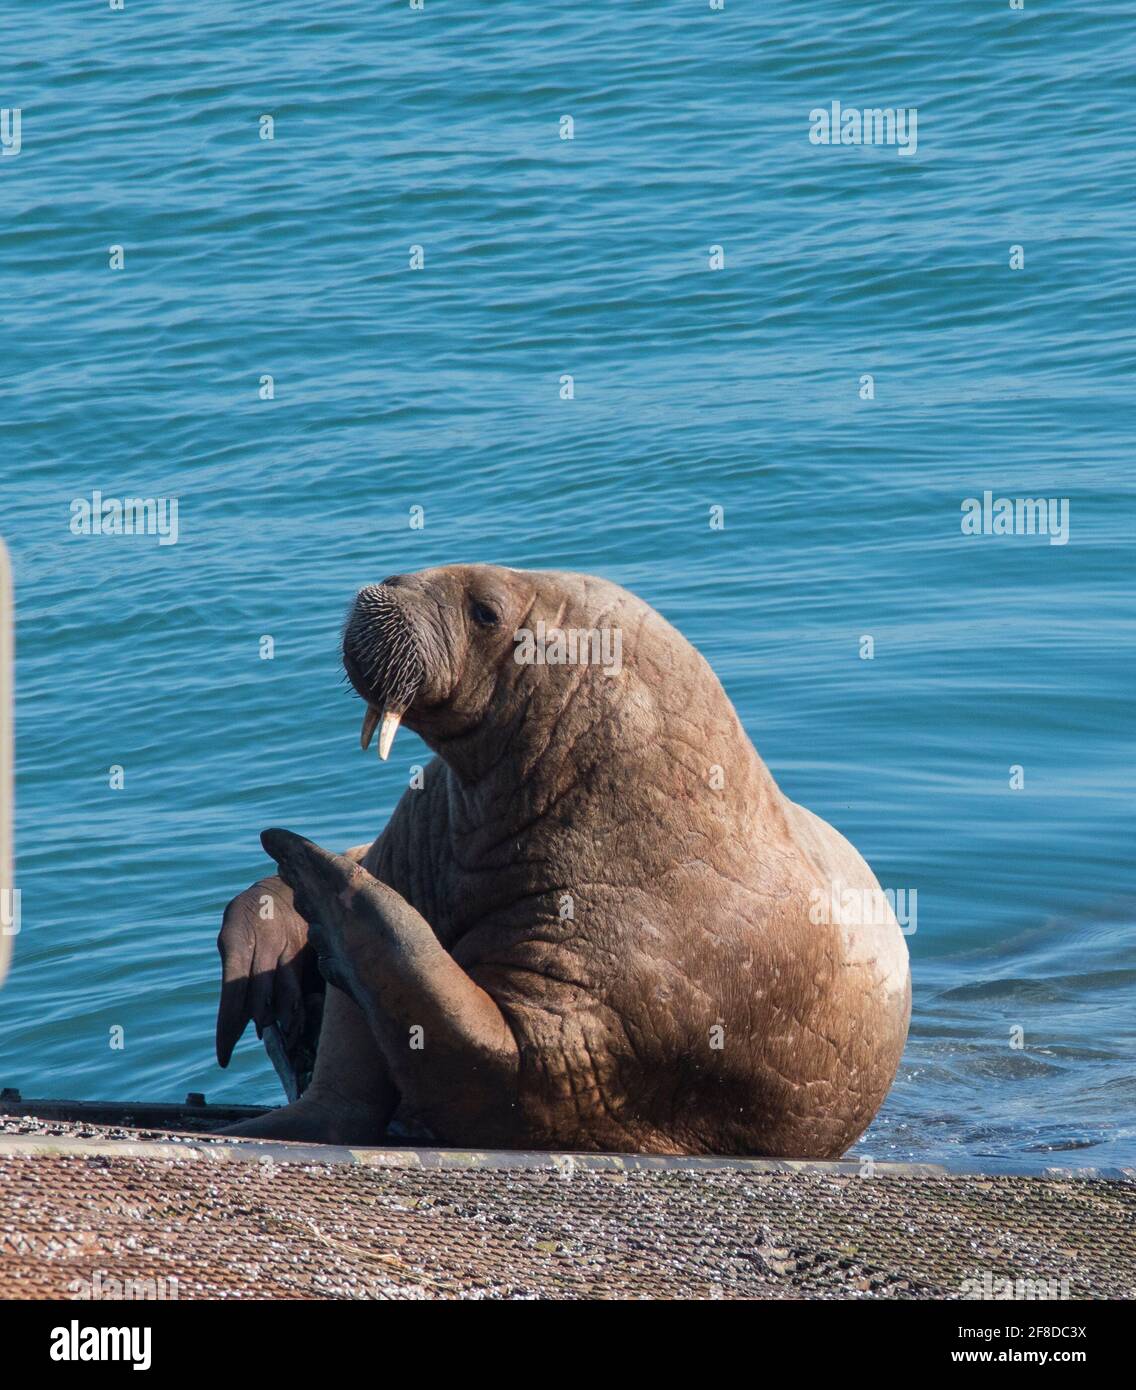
(483, 615)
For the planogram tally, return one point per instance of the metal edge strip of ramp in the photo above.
(193, 1148)
(190, 1131)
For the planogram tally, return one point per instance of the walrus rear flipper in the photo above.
(278, 1056)
(293, 1054)
(294, 1066)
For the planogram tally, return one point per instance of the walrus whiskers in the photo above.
(380, 644)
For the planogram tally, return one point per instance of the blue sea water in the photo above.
(694, 388)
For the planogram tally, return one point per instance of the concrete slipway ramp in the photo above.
(92, 1194)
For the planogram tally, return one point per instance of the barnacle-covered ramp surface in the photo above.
(94, 1194)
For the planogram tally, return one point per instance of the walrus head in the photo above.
(432, 649)
(444, 651)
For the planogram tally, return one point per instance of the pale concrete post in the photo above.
(7, 699)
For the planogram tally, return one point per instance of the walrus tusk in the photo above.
(387, 732)
(370, 723)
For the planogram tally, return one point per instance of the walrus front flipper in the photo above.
(269, 976)
(450, 1052)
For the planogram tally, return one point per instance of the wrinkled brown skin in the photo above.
(690, 912)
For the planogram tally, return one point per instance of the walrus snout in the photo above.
(383, 659)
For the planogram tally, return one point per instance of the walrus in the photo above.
(598, 924)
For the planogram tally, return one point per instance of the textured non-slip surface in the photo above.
(265, 1229)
